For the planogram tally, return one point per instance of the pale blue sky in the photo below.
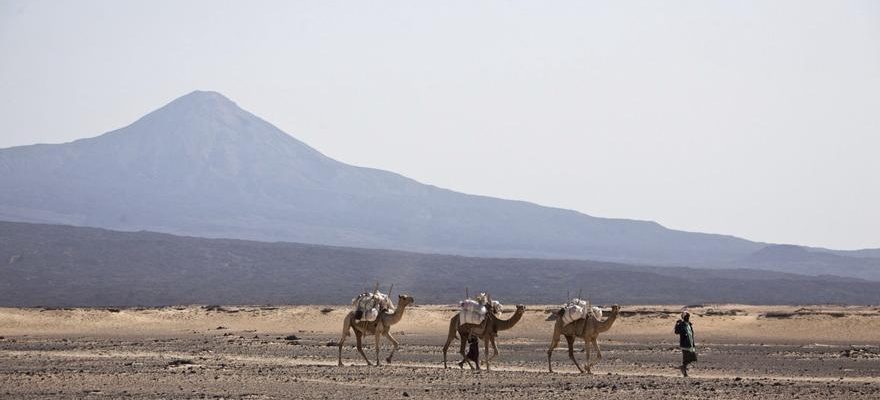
(758, 119)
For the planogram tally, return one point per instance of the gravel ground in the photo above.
(243, 364)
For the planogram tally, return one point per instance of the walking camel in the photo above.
(588, 329)
(485, 331)
(380, 327)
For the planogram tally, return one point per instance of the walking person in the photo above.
(473, 353)
(685, 331)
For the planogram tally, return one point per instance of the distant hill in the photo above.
(808, 261)
(52, 265)
(863, 253)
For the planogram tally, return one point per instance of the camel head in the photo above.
(615, 308)
(520, 308)
(405, 299)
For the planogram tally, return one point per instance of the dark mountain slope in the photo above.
(52, 265)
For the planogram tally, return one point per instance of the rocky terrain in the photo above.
(286, 352)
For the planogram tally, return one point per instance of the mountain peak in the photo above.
(202, 102)
(204, 96)
(201, 113)
(204, 133)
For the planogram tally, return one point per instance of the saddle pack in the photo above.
(367, 306)
(579, 309)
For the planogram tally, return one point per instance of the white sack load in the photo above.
(597, 313)
(497, 308)
(472, 312)
(362, 302)
(572, 312)
(370, 315)
(578, 309)
(367, 306)
(385, 303)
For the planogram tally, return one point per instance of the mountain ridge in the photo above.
(203, 166)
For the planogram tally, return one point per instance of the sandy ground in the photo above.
(810, 352)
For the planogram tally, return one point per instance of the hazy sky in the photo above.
(758, 119)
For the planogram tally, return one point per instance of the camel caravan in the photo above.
(478, 318)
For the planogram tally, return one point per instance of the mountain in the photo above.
(63, 266)
(202, 166)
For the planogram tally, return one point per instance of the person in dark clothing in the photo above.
(685, 331)
(473, 353)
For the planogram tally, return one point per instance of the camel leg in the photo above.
(346, 330)
(378, 343)
(452, 335)
(341, 342)
(494, 348)
(395, 344)
(486, 352)
(358, 337)
(553, 343)
(598, 352)
(587, 347)
(445, 349)
(461, 347)
(570, 340)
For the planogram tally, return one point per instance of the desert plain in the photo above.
(288, 352)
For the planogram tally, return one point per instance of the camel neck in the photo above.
(605, 325)
(398, 314)
(505, 324)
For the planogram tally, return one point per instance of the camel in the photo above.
(485, 331)
(380, 327)
(588, 329)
